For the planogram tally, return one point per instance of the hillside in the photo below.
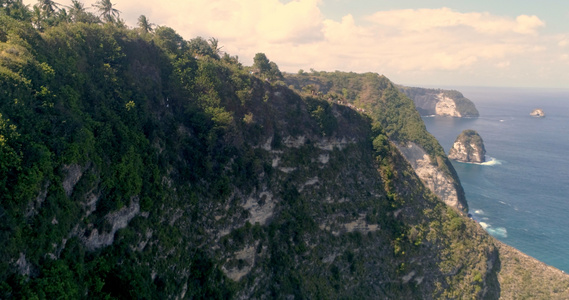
(446, 103)
(379, 98)
(137, 164)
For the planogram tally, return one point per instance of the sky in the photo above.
(509, 43)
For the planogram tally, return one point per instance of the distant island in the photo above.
(439, 102)
(468, 147)
(538, 113)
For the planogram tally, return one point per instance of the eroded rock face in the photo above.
(446, 107)
(538, 112)
(439, 183)
(468, 147)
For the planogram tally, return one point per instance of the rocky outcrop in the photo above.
(445, 103)
(443, 185)
(538, 113)
(468, 147)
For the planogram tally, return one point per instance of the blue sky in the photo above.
(507, 43)
(554, 12)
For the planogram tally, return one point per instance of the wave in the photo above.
(491, 162)
(497, 232)
(479, 212)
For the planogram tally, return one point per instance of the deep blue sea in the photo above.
(522, 195)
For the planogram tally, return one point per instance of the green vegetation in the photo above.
(136, 164)
(380, 99)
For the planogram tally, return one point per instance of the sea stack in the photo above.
(468, 147)
(538, 113)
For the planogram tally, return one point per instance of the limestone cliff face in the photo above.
(468, 147)
(446, 107)
(443, 185)
(445, 103)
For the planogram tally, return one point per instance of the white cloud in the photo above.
(406, 45)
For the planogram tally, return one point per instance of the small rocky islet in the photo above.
(468, 147)
(538, 113)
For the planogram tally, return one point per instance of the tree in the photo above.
(79, 14)
(214, 43)
(274, 73)
(48, 7)
(16, 9)
(37, 18)
(261, 63)
(167, 38)
(199, 46)
(144, 25)
(106, 10)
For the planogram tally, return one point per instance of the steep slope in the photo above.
(446, 103)
(134, 170)
(145, 166)
(379, 98)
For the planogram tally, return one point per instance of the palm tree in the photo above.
(214, 44)
(48, 7)
(144, 25)
(108, 12)
(37, 18)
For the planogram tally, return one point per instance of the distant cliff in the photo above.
(379, 98)
(468, 147)
(447, 103)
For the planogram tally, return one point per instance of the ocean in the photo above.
(521, 195)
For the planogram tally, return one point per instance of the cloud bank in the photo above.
(419, 46)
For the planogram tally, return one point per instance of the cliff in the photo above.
(446, 103)
(377, 97)
(155, 172)
(141, 165)
(468, 147)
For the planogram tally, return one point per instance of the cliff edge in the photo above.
(444, 103)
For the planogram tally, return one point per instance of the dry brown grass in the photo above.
(524, 277)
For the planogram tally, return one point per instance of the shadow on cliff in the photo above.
(493, 284)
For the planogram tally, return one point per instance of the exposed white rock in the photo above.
(118, 220)
(74, 173)
(275, 162)
(331, 143)
(439, 183)
(324, 158)
(247, 255)
(361, 225)
(261, 207)
(267, 144)
(24, 267)
(287, 169)
(468, 147)
(446, 107)
(293, 142)
(408, 277)
(538, 112)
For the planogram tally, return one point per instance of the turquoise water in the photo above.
(522, 195)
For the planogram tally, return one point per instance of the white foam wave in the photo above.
(479, 212)
(498, 231)
(491, 161)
